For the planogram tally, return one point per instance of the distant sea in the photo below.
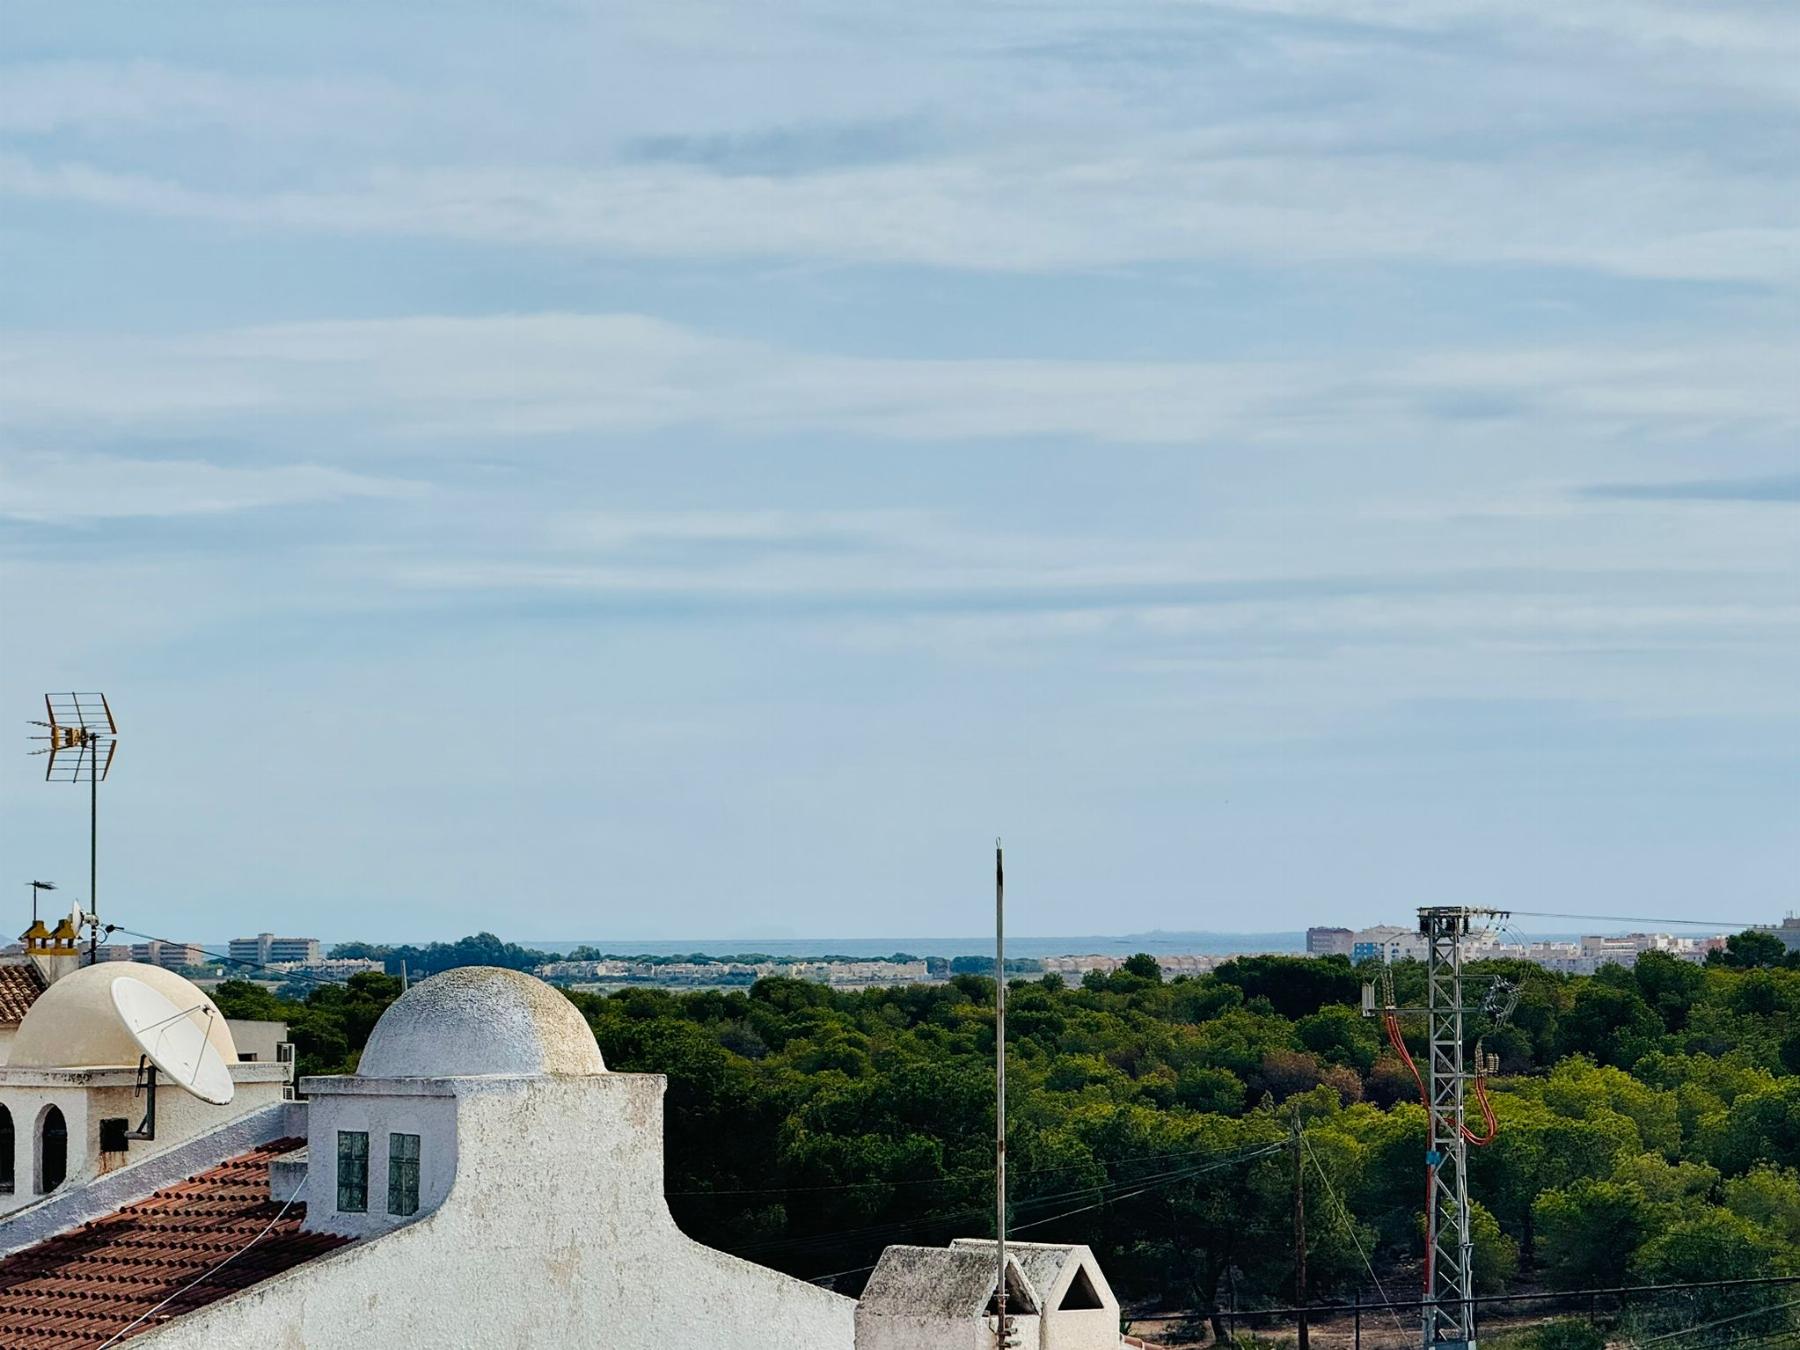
(868, 948)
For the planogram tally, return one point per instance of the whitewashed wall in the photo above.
(554, 1232)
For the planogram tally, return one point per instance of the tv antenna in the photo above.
(82, 739)
(38, 887)
(173, 1044)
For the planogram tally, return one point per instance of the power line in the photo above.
(211, 1270)
(1124, 1190)
(1350, 1227)
(1542, 1296)
(1109, 1193)
(1718, 1322)
(1632, 918)
(973, 1174)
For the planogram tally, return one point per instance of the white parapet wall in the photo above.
(552, 1231)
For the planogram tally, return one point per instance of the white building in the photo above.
(1329, 941)
(169, 955)
(1076, 1307)
(1788, 930)
(1388, 943)
(943, 1298)
(928, 1298)
(72, 1094)
(482, 1181)
(266, 949)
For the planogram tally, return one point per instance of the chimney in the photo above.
(56, 952)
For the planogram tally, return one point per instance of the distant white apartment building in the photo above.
(1175, 964)
(848, 974)
(1788, 930)
(1388, 943)
(333, 968)
(1330, 941)
(1590, 953)
(266, 949)
(1078, 966)
(169, 955)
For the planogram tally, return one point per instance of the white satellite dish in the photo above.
(174, 1039)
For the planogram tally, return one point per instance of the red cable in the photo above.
(1490, 1123)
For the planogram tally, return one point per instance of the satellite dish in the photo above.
(172, 1040)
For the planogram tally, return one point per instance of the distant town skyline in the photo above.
(706, 470)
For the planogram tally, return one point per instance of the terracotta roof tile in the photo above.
(80, 1288)
(20, 986)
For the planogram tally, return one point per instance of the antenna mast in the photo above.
(1002, 1325)
(82, 739)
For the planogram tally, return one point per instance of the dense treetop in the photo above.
(1650, 1118)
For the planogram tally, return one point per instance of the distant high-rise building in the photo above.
(266, 949)
(1329, 941)
(169, 955)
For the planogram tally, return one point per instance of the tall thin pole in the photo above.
(93, 851)
(1003, 1338)
(1300, 1294)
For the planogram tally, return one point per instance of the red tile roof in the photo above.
(20, 986)
(77, 1290)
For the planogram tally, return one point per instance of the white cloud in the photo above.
(1032, 211)
(94, 96)
(62, 488)
(450, 379)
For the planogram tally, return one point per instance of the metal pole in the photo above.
(1300, 1237)
(1002, 1337)
(94, 850)
(1356, 1316)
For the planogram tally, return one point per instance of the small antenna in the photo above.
(82, 739)
(37, 886)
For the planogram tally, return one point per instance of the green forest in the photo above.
(1649, 1122)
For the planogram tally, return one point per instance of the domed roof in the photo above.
(480, 1020)
(73, 1024)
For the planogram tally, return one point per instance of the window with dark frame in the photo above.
(353, 1171)
(403, 1174)
(6, 1151)
(53, 1151)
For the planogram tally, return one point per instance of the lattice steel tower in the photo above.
(1449, 1309)
(1449, 1314)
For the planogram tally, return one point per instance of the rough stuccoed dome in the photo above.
(73, 1024)
(480, 1020)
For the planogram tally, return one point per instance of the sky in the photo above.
(706, 470)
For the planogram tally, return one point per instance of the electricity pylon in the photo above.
(1449, 1309)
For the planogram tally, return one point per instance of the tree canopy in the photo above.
(1649, 1118)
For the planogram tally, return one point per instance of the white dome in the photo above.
(73, 1024)
(480, 1020)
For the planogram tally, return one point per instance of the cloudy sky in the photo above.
(703, 470)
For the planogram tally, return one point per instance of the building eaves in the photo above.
(190, 1244)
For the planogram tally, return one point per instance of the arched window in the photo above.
(53, 1151)
(6, 1152)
